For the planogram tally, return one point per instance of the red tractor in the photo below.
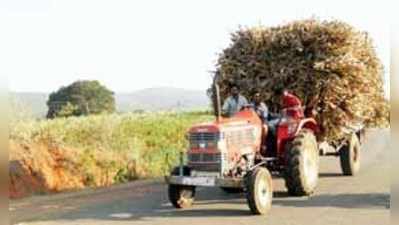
(239, 154)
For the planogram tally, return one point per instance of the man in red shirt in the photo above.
(290, 100)
(292, 105)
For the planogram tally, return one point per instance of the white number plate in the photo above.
(199, 181)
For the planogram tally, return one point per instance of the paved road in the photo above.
(363, 199)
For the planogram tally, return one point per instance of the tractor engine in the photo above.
(223, 149)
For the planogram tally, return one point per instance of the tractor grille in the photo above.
(197, 137)
(204, 140)
(204, 161)
(204, 157)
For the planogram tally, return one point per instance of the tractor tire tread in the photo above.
(292, 174)
(176, 192)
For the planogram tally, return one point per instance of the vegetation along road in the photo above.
(363, 199)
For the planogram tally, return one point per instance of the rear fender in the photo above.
(284, 136)
(308, 123)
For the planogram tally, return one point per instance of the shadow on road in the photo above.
(323, 175)
(207, 206)
(367, 200)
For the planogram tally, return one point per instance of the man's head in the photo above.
(257, 98)
(235, 91)
(281, 92)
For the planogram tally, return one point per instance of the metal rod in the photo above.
(181, 164)
(218, 104)
(216, 89)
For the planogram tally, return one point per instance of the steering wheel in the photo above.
(247, 106)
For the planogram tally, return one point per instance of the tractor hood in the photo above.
(205, 128)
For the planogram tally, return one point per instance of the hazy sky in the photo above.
(129, 45)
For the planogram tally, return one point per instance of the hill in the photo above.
(149, 99)
(33, 103)
(162, 98)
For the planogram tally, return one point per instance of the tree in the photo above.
(66, 110)
(81, 98)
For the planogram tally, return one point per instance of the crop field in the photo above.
(96, 150)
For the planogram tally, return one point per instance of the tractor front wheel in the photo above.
(350, 156)
(302, 164)
(181, 196)
(259, 191)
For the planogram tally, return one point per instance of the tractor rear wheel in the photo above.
(302, 164)
(181, 196)
(350, 156)
(259, 191)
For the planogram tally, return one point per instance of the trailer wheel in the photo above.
(259, 191)
(181, 196)
(350, 156)
(302, 164)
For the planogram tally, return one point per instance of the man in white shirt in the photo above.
(234, 103)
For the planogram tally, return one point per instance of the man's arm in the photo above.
(226, 106)
(265, 110)
(244, 100)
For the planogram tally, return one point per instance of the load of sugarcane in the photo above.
(331, 66)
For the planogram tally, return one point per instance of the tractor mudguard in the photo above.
(308, 123)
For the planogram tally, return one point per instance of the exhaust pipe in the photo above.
(218, 110)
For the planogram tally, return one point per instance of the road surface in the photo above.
(364, 199)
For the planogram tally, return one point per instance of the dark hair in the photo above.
(280, 91)
(257, 91)
(234, 85)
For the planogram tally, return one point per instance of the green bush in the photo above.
(80, 98)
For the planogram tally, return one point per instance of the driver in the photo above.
(234, 102)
